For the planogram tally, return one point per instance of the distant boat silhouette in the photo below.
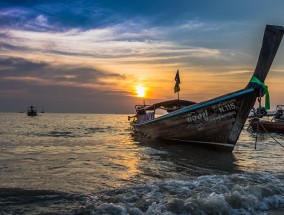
(42, 111)
(32, 111)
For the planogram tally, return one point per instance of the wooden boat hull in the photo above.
(217, 122)
(267, 126)
(32, 113)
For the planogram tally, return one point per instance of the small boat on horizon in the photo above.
(32, 111)
(42, 111)
(217, 122)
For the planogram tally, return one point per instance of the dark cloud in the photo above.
(23, 83)
(18, 67)
(18, 96)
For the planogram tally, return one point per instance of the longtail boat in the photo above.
(32, 111)
(275, 125)
(267, 126)
(217, 122)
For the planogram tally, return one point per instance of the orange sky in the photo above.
(69, 67)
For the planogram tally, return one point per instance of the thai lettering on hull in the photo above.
(218, 112)
(192, 117)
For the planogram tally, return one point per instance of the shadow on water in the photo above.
(190, 159)
(23, 201)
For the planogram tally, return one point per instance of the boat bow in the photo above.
(218, 121)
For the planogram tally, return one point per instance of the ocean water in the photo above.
(92, 164)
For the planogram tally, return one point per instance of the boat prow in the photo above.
(217, 122)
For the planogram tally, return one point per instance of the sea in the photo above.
(76, 164)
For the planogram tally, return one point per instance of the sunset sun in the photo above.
(140, 91)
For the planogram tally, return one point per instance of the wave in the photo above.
(21, 201)
(65, 134)
(246, 193)
(253, 193)
(99, 129)
(76, 132)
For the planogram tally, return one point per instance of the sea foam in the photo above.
(249, 193)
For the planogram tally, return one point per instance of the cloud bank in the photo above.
(99, 50)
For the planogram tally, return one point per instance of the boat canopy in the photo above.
(169, 106)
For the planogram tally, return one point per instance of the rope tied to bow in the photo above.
(262, 89)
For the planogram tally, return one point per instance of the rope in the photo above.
(269, 134)
(263, 90)
(257, 126)
(257, 130)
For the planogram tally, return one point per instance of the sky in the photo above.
(89, 56)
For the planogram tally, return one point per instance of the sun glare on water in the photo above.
(140, 91)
